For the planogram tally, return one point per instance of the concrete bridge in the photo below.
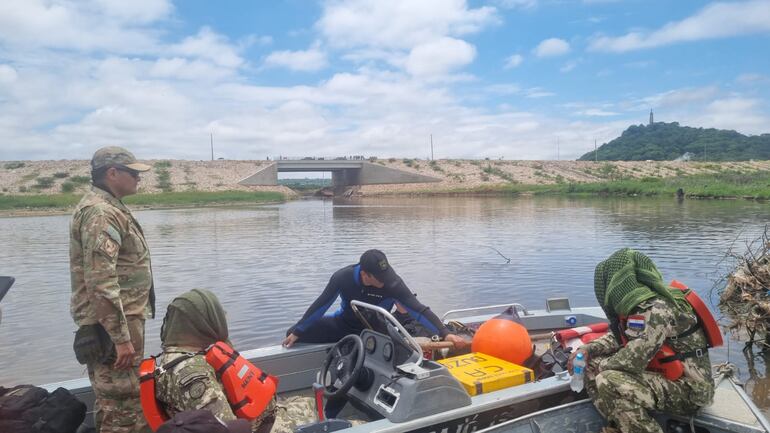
(345, 173)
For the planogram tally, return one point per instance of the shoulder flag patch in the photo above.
(636, 322)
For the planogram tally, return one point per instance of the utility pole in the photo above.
(558, 156)
(212, 146)
(431, 147)
(596, 152)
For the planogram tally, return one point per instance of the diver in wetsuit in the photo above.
(371, 280)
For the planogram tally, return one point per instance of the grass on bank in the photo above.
(726, 184)
(186, 198)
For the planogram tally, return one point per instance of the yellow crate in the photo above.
(480, 373)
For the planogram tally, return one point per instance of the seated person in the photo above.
(645, 314)
(202, 421)
(371, 280)
(194, 321)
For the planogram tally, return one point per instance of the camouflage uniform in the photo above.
(111, 284)
(621, 388)
(192, 385)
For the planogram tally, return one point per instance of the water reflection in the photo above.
(758, 384)
(267, 263)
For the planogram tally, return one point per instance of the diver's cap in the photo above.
(376, 264)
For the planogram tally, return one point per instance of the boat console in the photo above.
(393, 381)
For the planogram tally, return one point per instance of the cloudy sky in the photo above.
(487, 78)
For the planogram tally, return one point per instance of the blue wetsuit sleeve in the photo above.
(418, 311)
(317, 308)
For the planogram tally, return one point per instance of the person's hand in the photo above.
(125, 356)
(573, 355)
(289, 340)
(459, 342)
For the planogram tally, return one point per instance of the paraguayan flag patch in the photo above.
(636, 322)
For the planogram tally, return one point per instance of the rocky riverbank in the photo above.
(72, 176)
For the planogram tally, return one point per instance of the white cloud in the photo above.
(86, 26)
(552, 47)
(503, 89)
(310, 60)
(537, 92)
(399, 24)
(135, 11)
(439, 57)
(738, 113)
(513, 61)
(7, 75)
(570, 65)
(749, 78)
(594, 112)
(717, 20)
(106, 80)
(211, 46)
(679, 97)
(517, 4)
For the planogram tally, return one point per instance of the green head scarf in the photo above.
(626, 279)
(194, 319)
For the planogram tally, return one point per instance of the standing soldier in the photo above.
(112, 290)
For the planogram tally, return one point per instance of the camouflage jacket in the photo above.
(192, 385)
(110, 267)
(661, 324)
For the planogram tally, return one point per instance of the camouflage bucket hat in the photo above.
(114, 155)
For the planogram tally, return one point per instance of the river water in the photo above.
(268, 263)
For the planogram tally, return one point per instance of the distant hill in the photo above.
(668, 141)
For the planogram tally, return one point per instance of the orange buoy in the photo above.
(503, 337)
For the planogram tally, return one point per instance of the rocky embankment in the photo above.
(52, 177)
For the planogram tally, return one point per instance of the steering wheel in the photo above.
(342, 366)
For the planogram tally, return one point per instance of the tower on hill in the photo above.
(651, 117)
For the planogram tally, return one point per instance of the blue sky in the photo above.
(496, 78)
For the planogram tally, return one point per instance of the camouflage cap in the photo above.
(114, 155)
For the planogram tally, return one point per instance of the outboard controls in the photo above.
(406, 391)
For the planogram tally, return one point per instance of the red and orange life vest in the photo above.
(666, 362)
(249, 390)
(669, 362)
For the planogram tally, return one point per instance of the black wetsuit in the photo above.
(346, 283)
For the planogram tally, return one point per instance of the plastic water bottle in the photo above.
(578, 367)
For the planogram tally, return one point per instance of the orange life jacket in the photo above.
(668, 362)
(249, 390)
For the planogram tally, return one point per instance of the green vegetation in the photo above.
(61, 174)
(80, 179)
(162, 164)
(728, 184)
(408, 162)
(668, 141)
(67, 187)
(305, 184)
(434, 165)
(499, 173)
(43, 183)
(188, 198)
(13, 165)
(163, 177)
(30, 176)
